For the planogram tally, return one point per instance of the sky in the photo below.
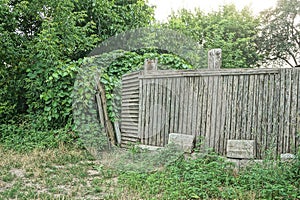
(165, 7)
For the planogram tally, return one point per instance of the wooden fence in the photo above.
(216, 105)
(130, 108)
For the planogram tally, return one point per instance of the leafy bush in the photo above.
(128, 62)
(24, 137)
(42, 47)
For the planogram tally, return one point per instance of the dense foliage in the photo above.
(279, 38)
(229, 29)
(42, 46)
(212, 177)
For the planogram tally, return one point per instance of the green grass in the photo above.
(212, 177)
(70, 173)
(50, 174)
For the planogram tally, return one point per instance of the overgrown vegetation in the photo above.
(43, 45)
(68, 173)
(212, 177)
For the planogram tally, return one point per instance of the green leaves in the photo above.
(42, 45)
(128, 62)
(278, 40)
(212, 177)
(229, 29)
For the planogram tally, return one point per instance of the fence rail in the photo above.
(216, 105)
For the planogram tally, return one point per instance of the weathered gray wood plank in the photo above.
(203, 72)
(239, 104)
(228, 116)
(169, 97)
(204, 110)
(195, 107)
(214, 104)
(208, 134)
(281, 112)
(234, 107)
(269, 114)
(245, 112)
(288, 76)
(219, 104)
(293, 109)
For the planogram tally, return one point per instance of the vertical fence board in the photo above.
(234, 107)
(294, 96)
(265, 104)
(276, 107)
(208, 134)
(259, 132)
(239, 113)
(219, 104)
(185, 105)
(245, 112)
(229, 109)
(297, 134)
(269, 114)
(200, 108)
(287, 110)
(165, 108)
(142, 102)
(204, 110)
(224, 106)
(254, 107)
(250, 113)
(177, 107)
(190, 106)
(159, 112)
(169, 97)
(151, 110)
(195, 107)
(281, 113)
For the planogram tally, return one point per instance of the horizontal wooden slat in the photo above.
(130, 135)
(130, 93)
(129, 126)
(206, 72)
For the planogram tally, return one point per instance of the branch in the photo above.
(297, 34)
(285, 61)
(293, 56)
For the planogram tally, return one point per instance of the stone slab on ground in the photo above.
(183, 141)
(149, 148)
(241, 163)
(287, 156)
(243, 149)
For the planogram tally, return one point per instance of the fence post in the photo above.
(214, 58)
(150, 65)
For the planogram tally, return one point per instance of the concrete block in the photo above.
(287, 156)
(149, 148)
(242, 163)
(242, 149)
(183, 141)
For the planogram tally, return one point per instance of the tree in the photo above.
(279, 38)
(42, 45)
(231, 30)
